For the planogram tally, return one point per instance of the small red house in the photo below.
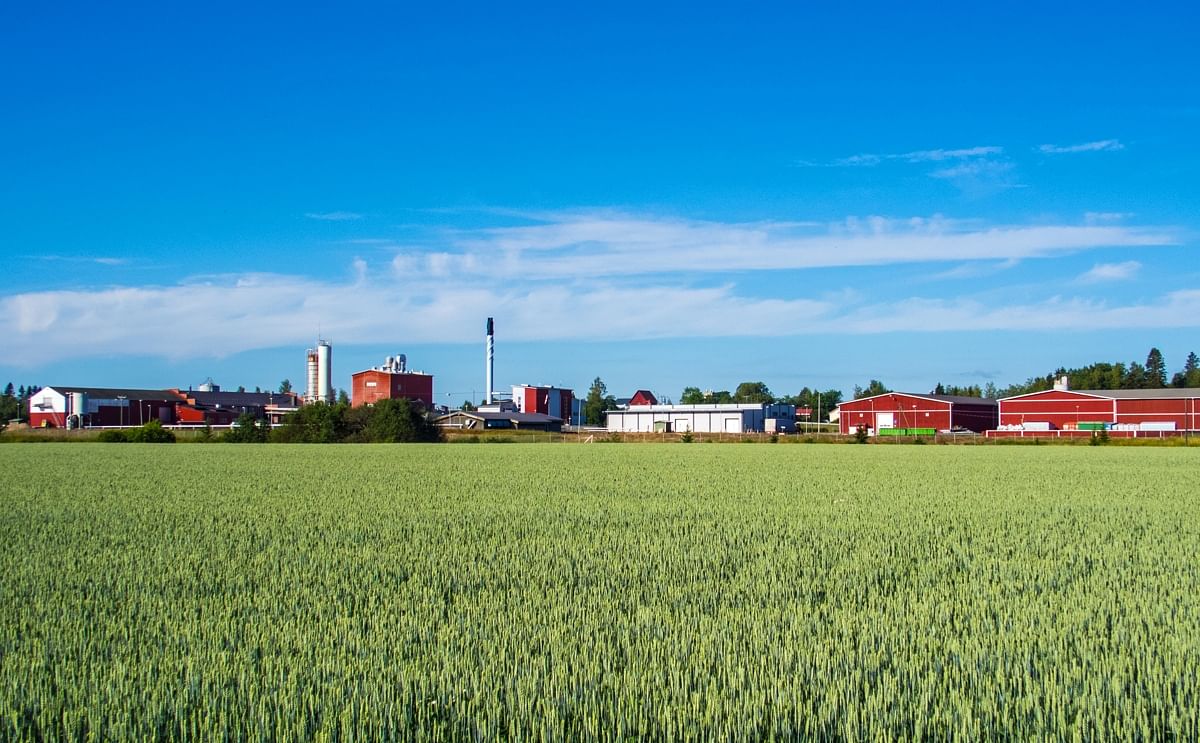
(903, 410)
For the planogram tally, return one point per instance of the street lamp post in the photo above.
(122, 398)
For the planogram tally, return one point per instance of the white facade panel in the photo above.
(48, 400)
(733, 418)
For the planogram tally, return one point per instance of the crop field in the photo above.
(218, 592)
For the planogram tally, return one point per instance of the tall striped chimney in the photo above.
(491, 358)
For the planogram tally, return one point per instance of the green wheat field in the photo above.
(634, 591)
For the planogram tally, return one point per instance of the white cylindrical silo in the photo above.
(325, 372)
(79, 406)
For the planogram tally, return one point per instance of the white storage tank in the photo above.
(79, 407)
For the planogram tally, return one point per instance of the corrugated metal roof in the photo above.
(962, 399)
(1164, 393)
(113, 393)
(240, 399)
(953, 399)
(713, 408)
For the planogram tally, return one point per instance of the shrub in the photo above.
(247, 430)
(686, 438)
(151, 433)
(112, 436)
(860, 435)
(399, 421)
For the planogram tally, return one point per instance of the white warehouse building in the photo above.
(726, 418)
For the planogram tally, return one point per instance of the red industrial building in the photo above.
(104, 407)
(391, 381)
(902, 411)
(1063, 412)
(552, 401)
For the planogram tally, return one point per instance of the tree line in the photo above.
(384, 422)
(598, 400)
(1116, 376)
(14, 403)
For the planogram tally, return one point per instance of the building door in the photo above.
(885, 420)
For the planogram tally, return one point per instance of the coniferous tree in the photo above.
(1135, 377)
(1156, 370)
(1190, 376)
(598, 401)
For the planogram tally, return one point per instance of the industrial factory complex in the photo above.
(1059, 412)
(98, 407)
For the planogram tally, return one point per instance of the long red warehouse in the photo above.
(908, 410)
(1170, 409)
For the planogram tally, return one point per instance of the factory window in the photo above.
(372, 384)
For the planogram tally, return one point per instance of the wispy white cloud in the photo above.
(918, 156)
(102, 260)
(1102, 272)
(974, 169)
(223, 316)
(599, 244)
(1175, 310)
(921, 156)
(334, 216)
(219, 317)
(585, 275)
(1105, 217)
(975, 270)
(1102, 145)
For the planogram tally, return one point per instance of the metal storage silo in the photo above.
(324, 372)
(311, 375)
(79, 406)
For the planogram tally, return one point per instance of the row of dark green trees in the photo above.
(1102, 375)
(387, 421)
(820, 401)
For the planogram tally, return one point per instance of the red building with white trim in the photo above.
(1061, 412)
(903, 410)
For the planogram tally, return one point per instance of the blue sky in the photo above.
(660, 197)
